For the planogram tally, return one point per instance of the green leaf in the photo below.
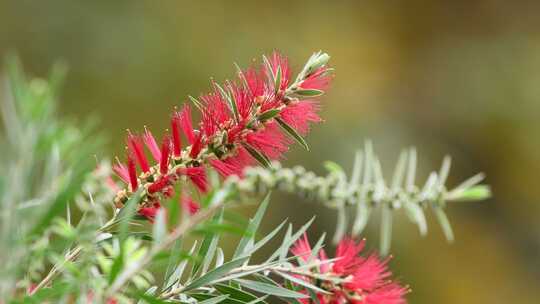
(444, 222)
(292, 132)
(235, 293)
(289, 240)
(386, 229)
(196, 102)
(229, 98)
(301, 282)
(259, 156)
(214, 300)
(269, 289)
(264, 116)
(475, 193)
(277, 80)
(341, 224)
(252, 227)
(209, 243)
(159, 229)
(217, 273)
(309, 92)
(265, 239)
(127, 212)
(117, 265)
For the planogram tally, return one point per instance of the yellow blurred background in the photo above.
(457, 77)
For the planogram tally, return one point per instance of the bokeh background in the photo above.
(457, 77)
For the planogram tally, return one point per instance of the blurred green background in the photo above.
(457, 77)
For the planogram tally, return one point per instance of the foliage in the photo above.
(71, 234)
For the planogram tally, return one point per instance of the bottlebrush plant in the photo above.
(148, 228)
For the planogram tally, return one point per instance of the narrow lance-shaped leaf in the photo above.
(444, 222)
(230, 101)
(259, 156)
(386, 229)
(215, 274)
(292, 132)
(269, 289)
(341, 224)
(252, 227)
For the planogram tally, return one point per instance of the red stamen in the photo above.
(165, 154)
(186, 124)
(150, 142)
(197, 146)
(197, 175)
(132, 170)
(175, 128)
(135, 146)
(160, 184)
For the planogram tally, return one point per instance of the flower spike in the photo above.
(253, 118)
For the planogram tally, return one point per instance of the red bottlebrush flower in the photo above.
(186, 124)
(132, 172)
(234, 132)
(150, 142)
(136, 147)
(197, 175)
(168, 192)
(366, 279)
(278, 61)
(196, 146)
(302, 248)
(255, 82)
(150, 212)
(233, 165)
(271, 141)
(389, 294)
(244, 101)
(318, 80)
(189, 205)
(214, 114)
(121, 171)
(348, 251)
(165, 154)
(300, 114)
(159, 185)
(175, 130)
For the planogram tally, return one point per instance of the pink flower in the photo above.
(165, 154)
(233, 165)
(186, 124)
(151, 144)
(189, 205)
(135, 146)
(300, 114)
(302, 248)
(318, 80)
(238, 114)
(270, 140)
(197, 175)
(150, 212)
(121, 171)
(175, 130)
(366, 278)
(132, 171)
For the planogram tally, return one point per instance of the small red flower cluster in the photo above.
(366, 278)
(253, 118)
